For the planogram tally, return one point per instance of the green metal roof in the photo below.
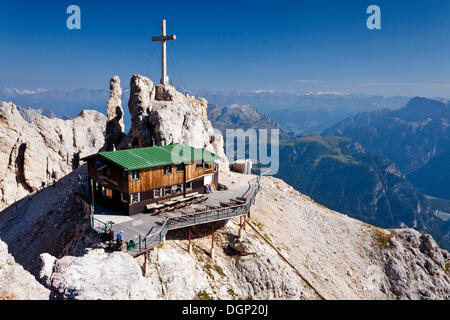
(140, 158)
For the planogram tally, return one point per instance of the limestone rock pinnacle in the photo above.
(160, 115)
(114, 127)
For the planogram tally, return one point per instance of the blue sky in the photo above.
(296, 46)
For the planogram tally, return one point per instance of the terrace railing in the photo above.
(150, 241)
(144, 243)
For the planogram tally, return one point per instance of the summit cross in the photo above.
(163, 38)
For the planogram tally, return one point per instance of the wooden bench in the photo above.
(192, 194)
(233, 201)
(154, 205)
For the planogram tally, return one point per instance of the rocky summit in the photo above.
(160, 115)
(292, 247)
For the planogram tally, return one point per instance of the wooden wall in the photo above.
(115, 181)
(149, 179)
(153, 178)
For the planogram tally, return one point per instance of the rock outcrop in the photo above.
(160, 116)
(36, 154)
(172, 273)
(415, 266)
(345, 258)
(15, 282)
(53, 221)
(96, 276)
(114, 126)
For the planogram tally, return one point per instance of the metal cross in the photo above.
(163, 38)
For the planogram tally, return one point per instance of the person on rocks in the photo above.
(110, 237)
(119, 241)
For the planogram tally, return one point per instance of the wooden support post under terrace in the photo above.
(212, 241)
(190, 242)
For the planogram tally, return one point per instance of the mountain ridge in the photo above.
(411, 137)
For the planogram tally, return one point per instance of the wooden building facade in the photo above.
(128, 180)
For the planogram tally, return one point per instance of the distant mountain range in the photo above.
(64, 104)
(304, 113)
(339, 173)
(416, 138)
(298, 113)
(239, 116)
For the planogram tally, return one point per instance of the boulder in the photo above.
(243, 247)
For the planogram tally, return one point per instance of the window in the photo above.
(188, 185)
(179, 188)
(167, 190)
(109, 193)
(180, 168)
(216, 167)
(108, 171)
(199, 165)
(134, 175)
(125, 197)
(207, 166)
(135, 197)
(167, 169)
(157, 193)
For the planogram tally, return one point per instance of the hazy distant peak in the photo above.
(263, 91)
(24, 91)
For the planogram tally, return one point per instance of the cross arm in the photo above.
(171, 37)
